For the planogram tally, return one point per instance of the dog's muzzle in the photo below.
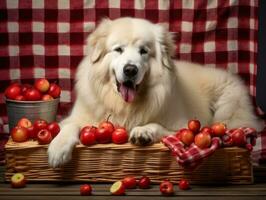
(130, 71)
(127, 89)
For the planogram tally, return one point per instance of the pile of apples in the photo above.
(105, 133)
(42, 90)
(39, 130)
(202, 136)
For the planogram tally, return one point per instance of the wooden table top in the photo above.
(101, 192)
(70, 191)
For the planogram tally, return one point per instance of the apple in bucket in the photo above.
(13, 91)
(32, 101)
(41, 90)
(42, 85)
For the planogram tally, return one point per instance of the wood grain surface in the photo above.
(69, 191)
(101, 191)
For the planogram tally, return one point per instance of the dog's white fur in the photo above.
(170, 92)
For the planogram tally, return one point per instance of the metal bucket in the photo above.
(32, 110)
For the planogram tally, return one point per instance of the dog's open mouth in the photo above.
(128, 90)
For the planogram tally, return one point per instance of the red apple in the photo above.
(167, 188)
(144, 182)
(178, 133)
(120, 136)
(32, 132)
(24, 88)
(194, 125)
(54, 128)
(54, 90)
(203, 140)
(20, 98)
(13, 91)
(183, 184)
(129, 182)
(207, 130)
(239, 138)
(187, 137)
(85, 190)
(117, 188)
(40, 124)
(107, 125)
(24, 122)
(44, 136)
(218, 129)
(19, 134)
(104, 136)
(42, 85)
(18, 180)
(33, 94)
(88, 135)
(47, 97)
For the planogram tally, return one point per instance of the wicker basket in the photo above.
(110, 162)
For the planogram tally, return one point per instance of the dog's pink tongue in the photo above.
(128, 94)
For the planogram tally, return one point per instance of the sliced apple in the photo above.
(18, 180)
(118, 188)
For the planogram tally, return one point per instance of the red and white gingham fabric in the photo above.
(192, 156)
(45, 38)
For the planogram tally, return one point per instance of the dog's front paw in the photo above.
(142, 135)
(60, 151)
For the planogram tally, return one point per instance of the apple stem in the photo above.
(109, 117)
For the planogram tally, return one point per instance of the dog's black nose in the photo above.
(130, 70)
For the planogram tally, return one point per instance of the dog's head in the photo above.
(130, 53)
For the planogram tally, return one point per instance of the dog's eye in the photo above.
(143, 51)
(119, 49)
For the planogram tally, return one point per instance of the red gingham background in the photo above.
(46, 38)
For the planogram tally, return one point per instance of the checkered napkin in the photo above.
(250, 133)
(192, 156)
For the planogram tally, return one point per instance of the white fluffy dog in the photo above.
(128, 73)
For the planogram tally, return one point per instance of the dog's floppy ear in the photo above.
(165, 46)
(96, 41)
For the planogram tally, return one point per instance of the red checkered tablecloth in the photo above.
(192, 156)
(45, 38)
